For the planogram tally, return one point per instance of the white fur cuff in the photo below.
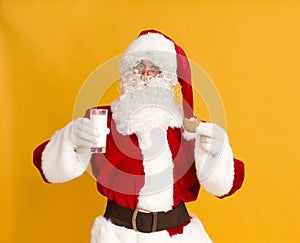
(60, 163)
(215, 171)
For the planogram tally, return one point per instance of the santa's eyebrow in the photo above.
(155, 66)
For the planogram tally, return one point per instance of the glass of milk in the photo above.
(99, 119)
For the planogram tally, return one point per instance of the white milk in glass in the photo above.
(99, 119)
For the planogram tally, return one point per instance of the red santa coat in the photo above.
(120, 173)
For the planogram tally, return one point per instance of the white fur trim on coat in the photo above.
(153, 47)
(60, 163)
(215, 168)
(104, 231)
(157, 193)
(150, 124)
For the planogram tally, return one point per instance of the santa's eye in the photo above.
(140, 66)
(155, 68)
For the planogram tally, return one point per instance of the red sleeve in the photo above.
(239, 174)
(37, 158)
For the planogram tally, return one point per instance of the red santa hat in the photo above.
(161, 50)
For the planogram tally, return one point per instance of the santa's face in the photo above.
(146, 73)
(147, 100)
(146, 68)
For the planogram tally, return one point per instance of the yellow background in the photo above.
(251, 51)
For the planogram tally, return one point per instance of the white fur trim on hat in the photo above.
(153, 47)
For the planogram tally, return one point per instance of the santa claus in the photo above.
(157, 153)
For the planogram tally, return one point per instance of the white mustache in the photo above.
(132, 81)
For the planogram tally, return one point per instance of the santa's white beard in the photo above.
(144, 109)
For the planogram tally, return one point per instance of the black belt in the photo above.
(145, 221)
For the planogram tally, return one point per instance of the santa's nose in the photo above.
(148, 73)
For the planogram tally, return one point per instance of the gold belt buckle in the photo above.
(134, 216)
